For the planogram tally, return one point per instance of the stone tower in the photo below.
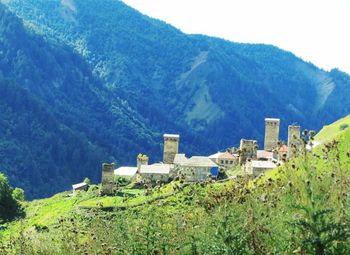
(293, 140)
(248, 150)
(272, 128)
(107, 183)
(171, 148)
(142, 159)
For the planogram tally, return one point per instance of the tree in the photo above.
(9, 206)
(18, 194)
(87, 181)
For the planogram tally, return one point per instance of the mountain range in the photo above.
(85, 81)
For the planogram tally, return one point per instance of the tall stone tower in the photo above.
(107, 183)
(171, 148)
(142, 159)
(272, 128)
(247, 150)
(293, 140)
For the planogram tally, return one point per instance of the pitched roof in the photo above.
(125, 171)
(180, 158)
(283, 148)
(199, 161)
(155, 169)
(264, 154)
(227, 155)
(223, 155)
(263, 164)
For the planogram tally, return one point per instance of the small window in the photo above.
(226, 162)
(221, 161)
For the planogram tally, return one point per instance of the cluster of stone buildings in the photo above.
(199, 168)
(256, 162)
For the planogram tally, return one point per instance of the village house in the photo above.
(225, 160)
(80, 186)
(257, 167)
(282, 152)
(155, 172)
(266, 155)
(127, 172)
(196, 168)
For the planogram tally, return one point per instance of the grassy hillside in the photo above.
(300, 208)
(333, 130)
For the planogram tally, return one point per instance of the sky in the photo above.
(315, 30)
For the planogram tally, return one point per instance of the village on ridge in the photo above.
(253, 162)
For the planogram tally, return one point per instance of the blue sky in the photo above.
(317, 31)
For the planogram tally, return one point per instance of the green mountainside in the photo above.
(302, 207)
(57, 121)
(200, 83)
(333, 130)
(107, 82)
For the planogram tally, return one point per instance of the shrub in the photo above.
(9, 207)
(343, 127)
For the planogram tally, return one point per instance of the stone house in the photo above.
(80, 186)
(155, 172)
(196, 168)
(257, 167)
(127, 172)
(282, 152)
(266, 155)
(225, 160)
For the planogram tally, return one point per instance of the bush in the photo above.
(18, 194)
(343, 127)
(9, 206)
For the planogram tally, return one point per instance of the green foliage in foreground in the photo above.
(9, 206)
(300, 208)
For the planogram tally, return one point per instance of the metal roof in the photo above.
(180, 158)
(125, 171)
(79, 185)
(198, 161)
(155, 169)
(263, 164)
(223, 155)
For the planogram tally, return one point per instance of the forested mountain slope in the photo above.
(58, 123)
(206, 84)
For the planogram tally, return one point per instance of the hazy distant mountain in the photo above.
(150, 78)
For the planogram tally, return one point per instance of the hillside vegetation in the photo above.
(300, 208)
(334, 130)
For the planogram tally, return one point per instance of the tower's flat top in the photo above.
(272, 119)
(171, 135)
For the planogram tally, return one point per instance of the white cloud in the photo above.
(317, 31)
